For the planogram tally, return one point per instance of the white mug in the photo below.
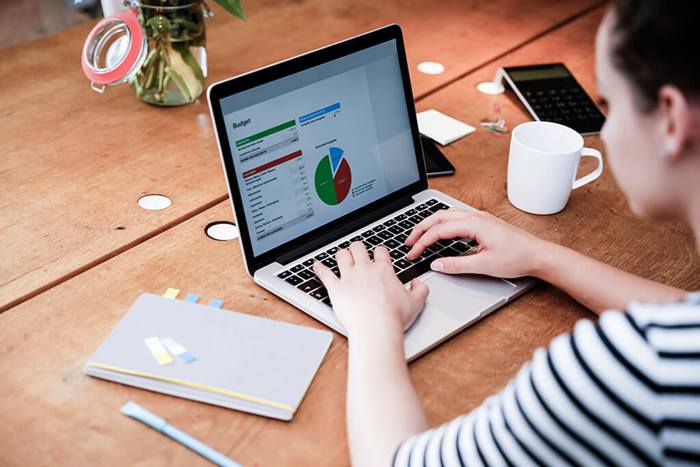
(542, 165)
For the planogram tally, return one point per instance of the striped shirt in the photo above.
(622, 391)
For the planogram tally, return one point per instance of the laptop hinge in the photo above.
(350, 227)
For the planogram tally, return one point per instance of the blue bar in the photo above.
(318, 113)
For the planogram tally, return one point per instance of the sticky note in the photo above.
(216, 303)
(178, 350)
(156, 347)
(191, 297)
(441, 128)
(171, 293)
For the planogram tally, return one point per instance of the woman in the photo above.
(625, 390)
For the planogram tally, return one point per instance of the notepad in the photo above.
(243, 362)
(442, 128)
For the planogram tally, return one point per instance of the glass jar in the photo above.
(175, 63)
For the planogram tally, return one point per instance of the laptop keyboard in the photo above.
(391, 234)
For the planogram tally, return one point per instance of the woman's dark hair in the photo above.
(655, 42)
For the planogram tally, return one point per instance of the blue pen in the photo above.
(137, 412)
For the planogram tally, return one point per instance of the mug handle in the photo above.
(590, 152)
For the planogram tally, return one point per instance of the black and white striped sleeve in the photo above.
(623, 391)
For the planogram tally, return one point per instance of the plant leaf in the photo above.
(233, 6)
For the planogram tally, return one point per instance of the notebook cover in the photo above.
(243, 362)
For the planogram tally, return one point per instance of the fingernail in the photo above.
(437, 266)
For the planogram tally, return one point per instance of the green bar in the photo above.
(264, 133)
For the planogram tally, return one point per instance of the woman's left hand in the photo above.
(368, 297)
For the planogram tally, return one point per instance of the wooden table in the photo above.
(52, 413)
(74, 162)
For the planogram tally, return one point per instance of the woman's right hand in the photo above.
(504, 250)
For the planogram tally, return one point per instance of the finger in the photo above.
(419, 291)
(381, 255)
(344, 260)
(434, 219)
(471, 264)
(451, 229)
(418, 295)
(359, 252)
(327, 277)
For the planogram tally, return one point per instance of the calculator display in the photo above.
(554, 72)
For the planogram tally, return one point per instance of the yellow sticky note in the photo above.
(156, 347)
(171, 293)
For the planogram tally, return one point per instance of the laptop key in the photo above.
(402, 263)
(391, 244)
(344, 245)
(379, 228)
(374, 240)
(294, 280)
(320, 293)
(438, 207)
(411, 212)
(284, 274)
(390, 222)
(404, 249)
(327, 301)
(414, 271)
(367, 233)
(309, 285)
(308, 262)
(459, 246)
(400, 217)
(321, 256)
(396, 230)
(431, 201)
(408, 225)
(306, 274)
(401, 238)
(424, 214)
(385, 235)
(420, 207)
(449, 252)
(473, 243)
(330, 262)
(415, 219)
(297, 268)
(332, 251)
(396, 254)
(356, 238)
(336, 270)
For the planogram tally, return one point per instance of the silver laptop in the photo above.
(323, 149)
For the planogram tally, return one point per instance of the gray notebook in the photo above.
(241, 361)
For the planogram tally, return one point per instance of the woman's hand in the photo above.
(368, 296)
(504, 250)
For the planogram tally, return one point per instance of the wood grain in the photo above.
(53, 414)
(74, 162)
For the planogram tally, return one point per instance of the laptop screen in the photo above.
(319, 144)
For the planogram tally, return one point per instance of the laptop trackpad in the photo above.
(454, 302)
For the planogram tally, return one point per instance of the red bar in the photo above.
(281, 160)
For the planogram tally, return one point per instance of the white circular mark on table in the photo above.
(431, 68)
(490, 87)
(154, 202)
(221, 230)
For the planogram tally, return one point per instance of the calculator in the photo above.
(551, 94)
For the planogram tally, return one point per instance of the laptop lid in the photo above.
(316, 144)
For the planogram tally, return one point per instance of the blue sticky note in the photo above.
(187, 357)
(191, 297)
(216, 303)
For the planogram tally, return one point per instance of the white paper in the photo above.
(442, 128)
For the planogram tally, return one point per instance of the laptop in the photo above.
(323, 149)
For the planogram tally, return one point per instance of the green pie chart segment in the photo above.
(332, 188)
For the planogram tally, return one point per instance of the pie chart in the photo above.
(333, 177)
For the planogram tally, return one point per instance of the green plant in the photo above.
(172, 72)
